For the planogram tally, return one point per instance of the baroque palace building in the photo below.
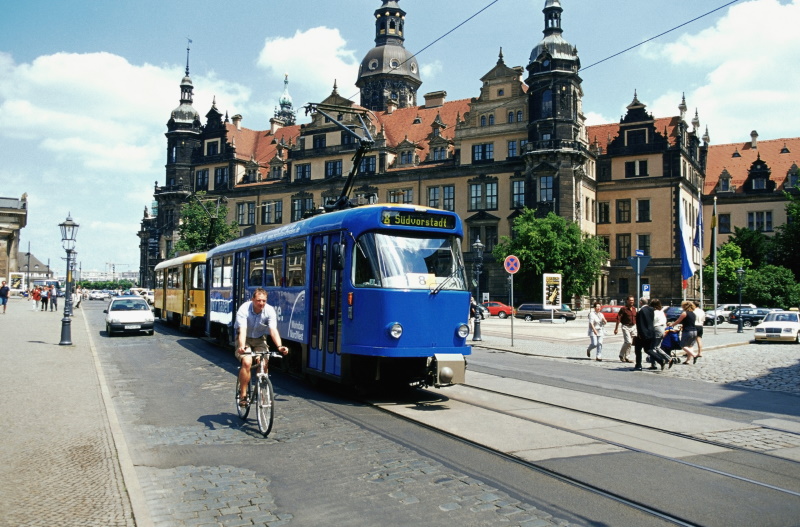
(521, 142)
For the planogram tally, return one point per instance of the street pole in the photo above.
(740, 272)
(69, 229)
(478, 246)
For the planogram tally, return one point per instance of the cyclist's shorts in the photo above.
(255, 344)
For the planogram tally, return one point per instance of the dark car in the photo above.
(538, 312)
(750, 316)
(499, 309)
(672, 313)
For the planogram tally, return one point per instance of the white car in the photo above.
(149, 295)
(97, 295)
(129, 314)
(779, 326)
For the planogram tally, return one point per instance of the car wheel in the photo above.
(528, 318)
(108, 331)
(502, 314)
(797, 338)
(747, 324)
(720, 320)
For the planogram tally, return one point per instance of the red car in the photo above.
(499, 309)
(610, 312)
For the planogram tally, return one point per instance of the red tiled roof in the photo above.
(721, 157)
(605, 133)
(262, 145)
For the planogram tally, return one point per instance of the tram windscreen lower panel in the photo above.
(408, 262)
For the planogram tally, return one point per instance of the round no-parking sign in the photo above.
(511, 264)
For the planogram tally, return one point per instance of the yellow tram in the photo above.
(179, 293)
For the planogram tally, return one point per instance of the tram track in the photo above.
(719, 461)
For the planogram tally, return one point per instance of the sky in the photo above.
(87, 86)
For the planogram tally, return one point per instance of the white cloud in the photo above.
(314, 59)
(738, 91)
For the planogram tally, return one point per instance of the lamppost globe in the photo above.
(69, 231)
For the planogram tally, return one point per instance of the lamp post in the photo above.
(740, 272)
(69, 229)
(478, 246)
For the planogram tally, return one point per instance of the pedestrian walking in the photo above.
(645, 333)
(53, 298)
(597, 330)
(627, 319)
(44, 296)
(688, 331)
(4, 291)
(699, 323)
(656, 352)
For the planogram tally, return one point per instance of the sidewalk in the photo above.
(63, 459)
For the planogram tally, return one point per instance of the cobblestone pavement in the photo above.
(58, 461)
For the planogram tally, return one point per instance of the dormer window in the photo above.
(406, 157)
(759, 183)
(724, 185)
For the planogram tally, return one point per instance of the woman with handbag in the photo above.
(597, 331)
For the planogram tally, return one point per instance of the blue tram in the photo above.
(373, 294)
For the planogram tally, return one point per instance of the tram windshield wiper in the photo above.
(445, 281)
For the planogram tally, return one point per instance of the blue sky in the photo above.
(87, 86)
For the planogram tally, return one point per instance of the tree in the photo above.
(729, 259)
(553, 245)
(755, 245)
(786, 242)
(203, 225)
(771, 286)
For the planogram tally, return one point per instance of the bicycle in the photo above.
(260, 392)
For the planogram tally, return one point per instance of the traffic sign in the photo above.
(639, 252)
(639, 263)
(511, 264)
(645, 288)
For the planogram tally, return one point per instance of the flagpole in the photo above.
(701, 235)
(714, 248)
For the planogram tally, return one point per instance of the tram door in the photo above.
(326, 306)
(186, 279)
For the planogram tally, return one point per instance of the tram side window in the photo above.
(160, 279)
(296, 264)
(227, 271)
(199, 276)
(179, 277)
(274, 265)
(366, 274)
(216, 278)
(172, 278)
(256, 278)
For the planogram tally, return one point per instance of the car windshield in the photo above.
(781, 317)
(407, 262)
(132, 304)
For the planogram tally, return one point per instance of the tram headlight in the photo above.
(463, 331)
(395, 330)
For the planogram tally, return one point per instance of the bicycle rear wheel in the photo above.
(265, 406)
(241, 410)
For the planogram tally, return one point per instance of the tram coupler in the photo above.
(445, 369)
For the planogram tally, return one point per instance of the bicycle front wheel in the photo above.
(265, 408)
(241, 410)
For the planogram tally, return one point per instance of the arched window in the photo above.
(510, 117)
(483, 120)
(491, 120)
(519, 116)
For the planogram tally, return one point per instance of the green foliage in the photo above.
(755, 245)
(203, 225)
(786, 242)
(729, 259)
(771, 286)
(118, 284)
(552, 245)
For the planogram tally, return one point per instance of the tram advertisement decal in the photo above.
(425, 220)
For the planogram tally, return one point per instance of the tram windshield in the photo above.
(409, 262)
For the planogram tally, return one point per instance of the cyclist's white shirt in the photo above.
(257, 324)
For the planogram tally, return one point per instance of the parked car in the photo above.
(722, 313)
(750, 316)
(499, 309)
(538, 312)
(129, 313)
(97, 295)
(611, 313)
(779, 325)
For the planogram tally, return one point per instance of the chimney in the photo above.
(391, 106)
(435, 98)
(753, 139)
(275, 125)
(237, 121)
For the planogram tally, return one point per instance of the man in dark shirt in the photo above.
(645, 333)
(627, 319)
(4, 290)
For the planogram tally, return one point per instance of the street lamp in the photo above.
(69, 229)
(740, 272)
(478, 246)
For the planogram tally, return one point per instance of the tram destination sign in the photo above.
(423, 220)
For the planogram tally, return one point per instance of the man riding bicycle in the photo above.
(254, 319)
